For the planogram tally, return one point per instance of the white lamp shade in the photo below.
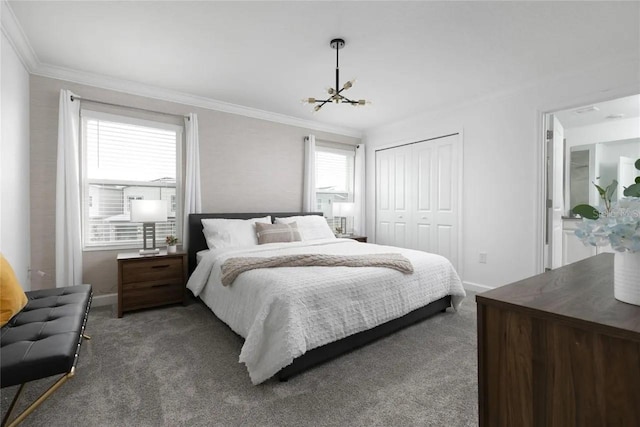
(337, 209)
(148, 210)
(348, 209)
(343, 208)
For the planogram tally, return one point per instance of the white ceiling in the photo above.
(408, 56)
(627, 107)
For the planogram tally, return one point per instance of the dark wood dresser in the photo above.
(558, 350)
(149, 281)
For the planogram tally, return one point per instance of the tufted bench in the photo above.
(43, 339)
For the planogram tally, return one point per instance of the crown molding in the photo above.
(155, 92)
(20, 43)
(12, 29)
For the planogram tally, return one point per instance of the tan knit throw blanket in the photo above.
(232, 267)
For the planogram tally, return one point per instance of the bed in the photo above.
(293, 318)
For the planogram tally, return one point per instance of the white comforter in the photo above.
(284, 312)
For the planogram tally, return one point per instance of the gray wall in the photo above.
(246, 165)
(15, 242)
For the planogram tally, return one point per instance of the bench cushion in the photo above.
(43, 339)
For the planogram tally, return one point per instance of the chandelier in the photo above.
(335, 93)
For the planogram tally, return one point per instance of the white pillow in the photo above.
(311, 227)
(229, 233)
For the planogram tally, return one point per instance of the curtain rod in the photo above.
(73, 98)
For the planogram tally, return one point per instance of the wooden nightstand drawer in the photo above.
(152, 269)
(151, 294)
(150, 281)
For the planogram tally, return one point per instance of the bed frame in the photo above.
(329, 351)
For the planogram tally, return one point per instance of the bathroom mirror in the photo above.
(601, 163)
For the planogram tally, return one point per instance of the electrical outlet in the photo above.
(483, 258)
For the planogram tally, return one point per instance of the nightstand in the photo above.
(150, 280)
(362, 239)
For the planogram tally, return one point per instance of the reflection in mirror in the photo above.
(579, 177)
(600, 163)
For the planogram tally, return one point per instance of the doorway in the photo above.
(590, 144)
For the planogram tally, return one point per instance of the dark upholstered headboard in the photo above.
(197, 241)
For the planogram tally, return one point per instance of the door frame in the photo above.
(409, 141)
(540, 204)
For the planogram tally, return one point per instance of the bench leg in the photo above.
(44, 396)
(13, 405)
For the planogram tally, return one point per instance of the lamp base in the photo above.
(149, 251)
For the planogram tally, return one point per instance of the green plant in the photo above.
(617, 223)
(634, 189)
(589, 212)
(171, 240)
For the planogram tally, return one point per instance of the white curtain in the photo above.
(309, 202)
(68, 218)
(192, 201)
(359, 225)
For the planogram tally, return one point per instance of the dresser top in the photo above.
(582, 291)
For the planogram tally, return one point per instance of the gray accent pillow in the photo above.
(277, 233)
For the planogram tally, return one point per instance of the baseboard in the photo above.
(476, 287)
(102, 300)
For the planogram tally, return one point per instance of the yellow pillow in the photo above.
(12, 297)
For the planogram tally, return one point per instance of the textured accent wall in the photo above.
(246, 165)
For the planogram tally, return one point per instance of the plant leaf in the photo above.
(586, 211)
(638, 164)
(611, 189)
(637, 179)
(600, 190)
(633, 190)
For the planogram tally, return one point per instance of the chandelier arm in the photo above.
(346, 100)
(338, 92)
(323, 102)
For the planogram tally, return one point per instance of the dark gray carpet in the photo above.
(178, 366)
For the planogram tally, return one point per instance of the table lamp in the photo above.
(342, 211)
(348, 210)
(148, 212)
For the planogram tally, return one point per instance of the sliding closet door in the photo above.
(435, 210)
(424, 176)
(393, 197)
(417, 196)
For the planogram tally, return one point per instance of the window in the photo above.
(126, 159)
(334, 176)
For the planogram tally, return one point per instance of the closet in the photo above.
(418, 196)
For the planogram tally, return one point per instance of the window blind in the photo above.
(334, 171)
(125, 160)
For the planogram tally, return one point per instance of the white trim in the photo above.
(416, 139)
(119, 118)
(156, 92)
(407, 141)
(476, 287)
(540, 200)
(541, 193)
(460, 204)
(104, 300)
(16, 36)
(12, 29)
(87, 114)
(333, 150)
